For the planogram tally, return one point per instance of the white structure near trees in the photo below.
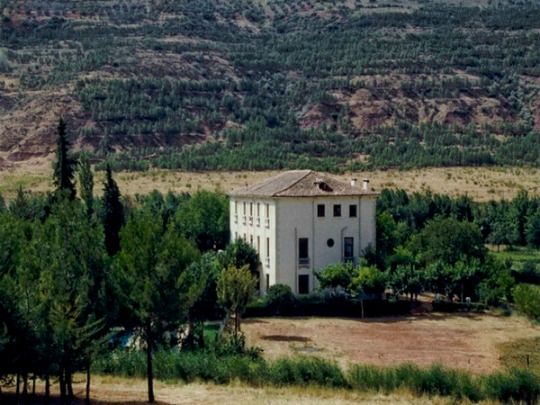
(301, 220)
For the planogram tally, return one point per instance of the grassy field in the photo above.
(481, 184)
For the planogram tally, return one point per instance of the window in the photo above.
(303, 252)
(267, 247)
(337, 210)
(267, 281)
(352, 211)
(258, 209)
(267, 210)
(251, 240)
(303, 284)
(348, 248)
(320, 210)
(330, 242)
(236, 207)
(259, 245)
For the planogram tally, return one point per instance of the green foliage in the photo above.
(204, 219)
(113, 213)
(527, 298)
(279, 298)
(86, 183)
(64, 165)
(236, 289)
(515, 385)
(336, 275)
(239, 253)
(448, 240)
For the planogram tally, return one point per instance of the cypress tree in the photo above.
(64, 164)
(113, 213)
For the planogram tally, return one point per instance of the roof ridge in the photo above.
(295, 183)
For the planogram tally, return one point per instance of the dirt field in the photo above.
(481, 184)
(465, 341)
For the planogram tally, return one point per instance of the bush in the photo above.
(280, 299)
(527, 298)
(447, 306)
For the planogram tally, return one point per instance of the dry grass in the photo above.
(481, 184)
(463, 341)
(115, 390)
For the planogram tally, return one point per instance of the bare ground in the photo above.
(463, 341)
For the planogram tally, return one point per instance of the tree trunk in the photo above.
(69, 383)
(47, 389)
(149, 366)
(87, 398)
(25, 386)
(362, 306)
(34, 385)
(62, 382)
(18, 389)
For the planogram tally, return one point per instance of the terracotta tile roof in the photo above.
(301, 183)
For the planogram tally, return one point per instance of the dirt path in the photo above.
(465, 341)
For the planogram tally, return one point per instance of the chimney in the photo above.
(365, 185)
(353, 182)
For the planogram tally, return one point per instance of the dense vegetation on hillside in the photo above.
(318, 84)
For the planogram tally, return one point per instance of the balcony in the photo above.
(243, 219)
(303, 262)
(235, 218)
(250, 220)
(258, 221)
(267, 222)
(267, 261)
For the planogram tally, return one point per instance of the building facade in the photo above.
(300, 221)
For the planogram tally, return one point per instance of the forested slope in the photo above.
(257, 84)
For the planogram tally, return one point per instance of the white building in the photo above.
(300, 221)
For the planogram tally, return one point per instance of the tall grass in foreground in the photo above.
(514, 385)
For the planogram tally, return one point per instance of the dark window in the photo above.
(303, 248)
(320, 210)
(337, 210)
(303, 252)
(303, 284)
(352, 211)
(348, 248)
(267, 282)
(330, 242)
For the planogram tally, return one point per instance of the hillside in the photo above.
(268, 84)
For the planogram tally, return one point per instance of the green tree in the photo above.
(449, 241)
(56, 280)
(149, 270)
(113, 213)
(86, 181)
(336, 275)
(532, 229)
(204, 219)
(239, 253)
(235, 290)
(368, 281)
(64, 164)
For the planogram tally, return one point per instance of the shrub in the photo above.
(527, 298)
(279, 299)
